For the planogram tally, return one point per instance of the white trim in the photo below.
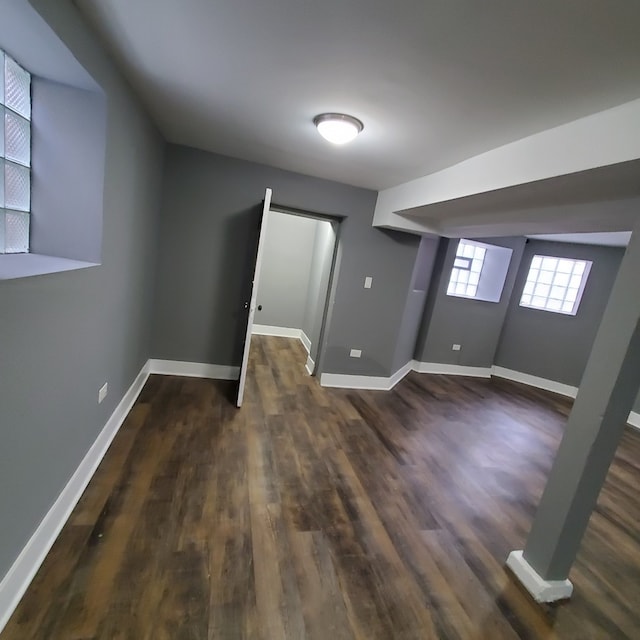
(310, 366)
(553, 386)
(375, 383)
(345, 381)
(634, 420)
(451, 369)
(279, 332)
(194, 369)
(19, 576)
(535, 381)
(304, 338)
(542, 590)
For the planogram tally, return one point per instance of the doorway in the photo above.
(295, 278)
(293, 284)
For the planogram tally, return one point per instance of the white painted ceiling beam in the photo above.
(606, 138)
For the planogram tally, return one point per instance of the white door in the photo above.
(251, 304)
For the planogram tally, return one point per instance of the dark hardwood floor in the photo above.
(329, 514)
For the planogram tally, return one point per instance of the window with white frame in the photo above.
(555, 284)
(467, 267)
(15, 156)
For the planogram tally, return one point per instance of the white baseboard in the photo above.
(535, 381)
(451, 369)
(19, 576)
(304, 338)
(310, 366)
(374, 383)
(551, 385)
(279, 332)
(634, 420)
(194, 369)
(542, 590)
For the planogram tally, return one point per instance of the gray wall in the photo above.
(286, 269)
(323, 250)
(68, 141)
(211, 205)
(474, 324)
(553, 345)
(64, 335)
(414, 307)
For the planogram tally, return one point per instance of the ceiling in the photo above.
(609, 239)
(434, 81)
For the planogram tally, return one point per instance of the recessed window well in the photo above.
(479, 271)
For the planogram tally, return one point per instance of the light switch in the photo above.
(367, 282)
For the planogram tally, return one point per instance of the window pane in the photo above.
(542, 290)
(554, 305)
(576, 281)
(17, 187)
(17, 138)
(467, 268)
(546, 277)
(2, 132)
(2, 81)
(579, 268)
(1, 184)
(17, 88)
(572, 295)
(565, 266)
(16, 232)
(536, 263)
(555, 289)
(467, 249)
(1, 230)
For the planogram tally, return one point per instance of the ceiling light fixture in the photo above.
(338, 128)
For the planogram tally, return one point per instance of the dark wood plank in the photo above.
(330, 514)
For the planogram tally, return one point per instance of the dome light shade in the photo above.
(338, 128)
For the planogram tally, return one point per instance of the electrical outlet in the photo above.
(355, 353)
(102, 393)
(456, 347)
(368, 281)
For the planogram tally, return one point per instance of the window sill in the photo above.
(25, 265)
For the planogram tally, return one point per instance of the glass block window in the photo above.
(467, 268)
(15, 156)
(555, 284)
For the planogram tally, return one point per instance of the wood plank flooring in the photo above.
(329, 515)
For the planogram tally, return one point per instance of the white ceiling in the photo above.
(434, 81)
